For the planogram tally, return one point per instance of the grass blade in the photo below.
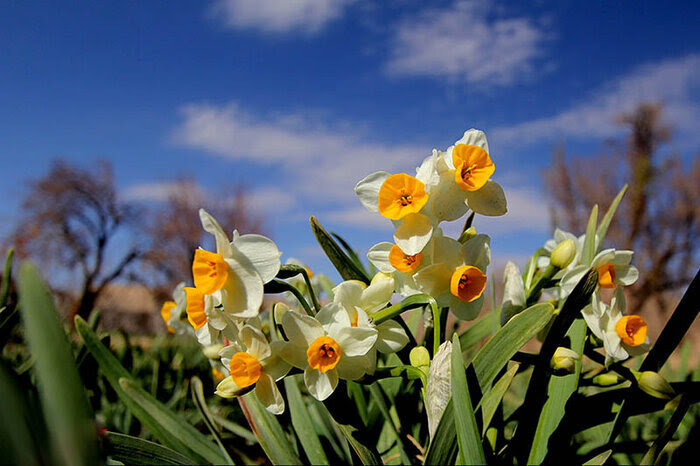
(343, 264)
(589, 245)
(301, 421)
(607, 218)
(468, 437)
(268, 431)
(66, 410)
(201, 403)
(134, 450)
(490, 401)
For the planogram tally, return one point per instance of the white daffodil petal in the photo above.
(355, 341)
(301, 328)
(626, 274)
(367, 190)
(606, 256)
(210, 225)
(391, 337)
(227, 388)
(513, 292)
(242, 293)
(262, 253)
(590, 315)
(378, 255)
(413, 233)
(255, 342)
(348, 293)
(623, 257)
(377, 295)
(275, 365)
(334, 316)
(320, 385)
(269, 395)
(477, 252)
(489, 200)
(433, 279)
(295, 355)
(352, 368)
(474, 137)
(447, 199)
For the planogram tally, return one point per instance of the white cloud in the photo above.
(278, 16)
(323, 163)
(673, 81)
(361, 218)
(154, 191)
(465, 42)
(270, 200)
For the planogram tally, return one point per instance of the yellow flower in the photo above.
(404, 262)
(166, 312)
(473, 166)
(632, 330)
(195, 307)
(210, 271)
(467, 283)
(400, 195)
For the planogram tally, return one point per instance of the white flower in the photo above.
(614, 270)
(514, 298)
(254, 362)
(326, 348)
(622, 335)
(237, 271)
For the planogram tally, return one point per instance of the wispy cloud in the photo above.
(674, 82)
(466, 42)
(278, 16)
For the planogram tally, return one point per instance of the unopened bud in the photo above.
(564, 360)
(655, 385)
(467, 234)
(212, 352)
(420, 358)
(563, 254)
(606, 379)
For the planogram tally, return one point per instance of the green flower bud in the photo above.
(212, 352)
(655, 385)
(563, 254)
(419, 357)
(467, 234)
(564, 360)
(606, 379)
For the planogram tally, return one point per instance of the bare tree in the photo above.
(175, 230)
(69, 221)
(658, 218)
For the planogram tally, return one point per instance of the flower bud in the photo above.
(606, 379)
(655, 385)
(419, 357)
(563, 254)
(438, 388)
(467, 234)
(227, 388)
(564, 360)
(212, 352)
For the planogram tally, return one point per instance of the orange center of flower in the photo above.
(400, 195)
(403, 262)
(467, 283)
(632, 330)
(209, 270)
(323, 354)
(245, 369)
(195, 307)
(166, 311)
(473, 166)
(216, 374)
(606, 276)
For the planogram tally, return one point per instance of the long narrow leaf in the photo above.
(66, 409)
(477, 331)
(378, 397)
(607, 218)
(301, 420)
(490, 401)
(174, 433)
(667, 433)
(268, 431)
(589, 245)
(6, 279)
(201, 403)
(134, 450)
(343, 264)
(468, 436)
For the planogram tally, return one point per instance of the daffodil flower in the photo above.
(456, 275)
(400, 198)
(559, 237)
(205, 317)
(389, 259)
(174, 312)
(614, 270)
(237, 270)
(326, 348)
(254, 363)
(622, 335)
(358, 300)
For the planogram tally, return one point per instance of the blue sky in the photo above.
(301, 99)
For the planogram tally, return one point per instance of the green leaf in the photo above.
(559, 391)
(66, 410)
(477, 331)
(343, 264)
(589, 245)
(366, 455)
(236, 429)
(443, 446)
(301, 421)
(599, 459)
(279, 286)
(667, 433)
(350, 252)
(508, 340)
(201, 403)
(134, 450)
(490, 401)
(468, 438)
(607, 218)
(165, 425)
(6, 279)
(412, 302)
(268, 431)
(378, 397)
(291, 270)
